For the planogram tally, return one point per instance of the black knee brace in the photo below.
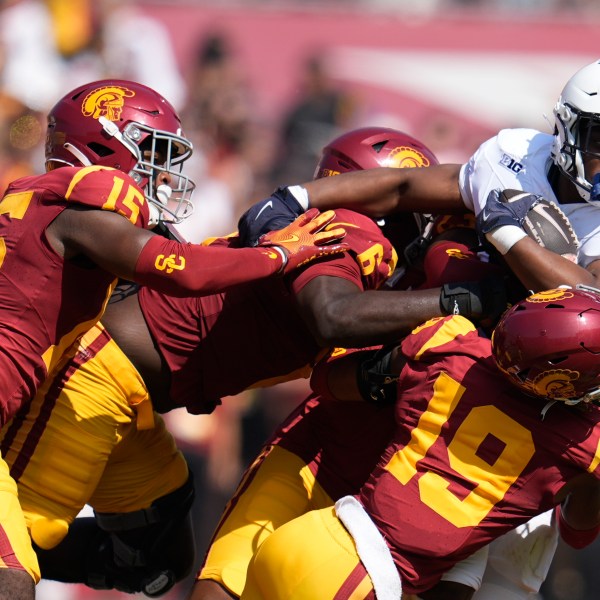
(148, 550)
(145, 551)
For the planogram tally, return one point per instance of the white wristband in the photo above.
(301, 195)
(504, 238)
(284, 257)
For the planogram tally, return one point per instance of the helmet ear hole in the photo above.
(379, 146)
(100, 149)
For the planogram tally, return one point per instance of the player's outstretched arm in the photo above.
(177, 269)
(374, 192)
(338, 313)
(386, 190)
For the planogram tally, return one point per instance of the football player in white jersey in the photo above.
(559, 166)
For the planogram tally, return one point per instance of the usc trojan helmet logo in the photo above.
(405, 156)
(106, 102)
(558, 383)
(550, 296)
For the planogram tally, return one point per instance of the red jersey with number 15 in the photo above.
(46, 303)
(471, 457)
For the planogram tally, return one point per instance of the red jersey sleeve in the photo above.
(182, 269)
(441, 336)
(369, 262)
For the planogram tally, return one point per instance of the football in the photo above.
(548, 225)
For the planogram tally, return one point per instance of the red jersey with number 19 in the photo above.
(471, 457)
(46, 303)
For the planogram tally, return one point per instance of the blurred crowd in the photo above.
(50, 46)
(432, 6)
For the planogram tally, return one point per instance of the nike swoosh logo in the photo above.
(291, 238)
(485, 215)
(269, 204)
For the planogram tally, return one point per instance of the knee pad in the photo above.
(145, 551)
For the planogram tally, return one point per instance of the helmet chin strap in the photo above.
(590, 398)
(547, 408)
(78, 154)
(154, 218)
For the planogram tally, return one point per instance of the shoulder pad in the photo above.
(437, 336)
(106, 189)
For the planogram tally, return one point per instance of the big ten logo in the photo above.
(170, 263)
(511, 164)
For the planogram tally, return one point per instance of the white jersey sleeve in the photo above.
(519, 159)
(516, 159)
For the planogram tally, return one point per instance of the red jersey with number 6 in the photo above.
(471, 457)
(46, 303)
(253, 335)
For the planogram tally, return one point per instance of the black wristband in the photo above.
(376, 382)
(461, 299)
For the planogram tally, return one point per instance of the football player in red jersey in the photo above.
(114, 153)
(488, 434)
(173, 349)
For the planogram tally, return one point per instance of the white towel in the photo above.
(371, 547)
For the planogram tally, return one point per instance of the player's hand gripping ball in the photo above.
(541, 219)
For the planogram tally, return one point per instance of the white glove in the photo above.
(523, 556)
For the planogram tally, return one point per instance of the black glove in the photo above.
(480, 301)
(375, 381)
(500, 209)
(276, 212)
